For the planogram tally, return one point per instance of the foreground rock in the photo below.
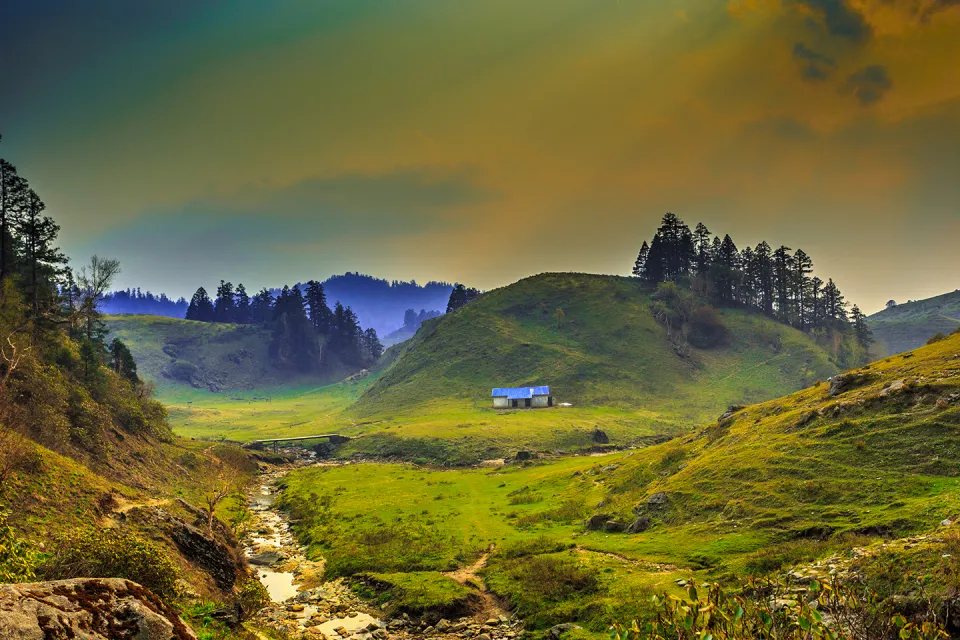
(87, 609)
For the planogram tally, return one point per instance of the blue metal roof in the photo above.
(520, 393)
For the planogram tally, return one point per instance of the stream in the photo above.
(300, 603)
(304, 606)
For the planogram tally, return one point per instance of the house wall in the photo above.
(501, 403)
(540, 401)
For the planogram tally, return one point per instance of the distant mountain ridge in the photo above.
(904, 327)
(378, 303)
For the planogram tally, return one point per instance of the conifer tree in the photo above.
(702, 245)
(317, 304)
(783, 281)
(860, 328)
(121, 361)
(639, 266)
(241, 305)
(201, 308)
(224, 307)
(13, 190)
(802, 267)
(261, 308)
(42, 260)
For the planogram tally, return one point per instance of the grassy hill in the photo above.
(607, 356)
(831, 471)
(908, 326)
(180, 354)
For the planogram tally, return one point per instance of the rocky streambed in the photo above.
(304, 606)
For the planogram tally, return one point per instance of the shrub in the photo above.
(707, 330)
(940, 337)
(18, 561)
(554, 578)
(112, 553)
(182, 370)
(767, 610)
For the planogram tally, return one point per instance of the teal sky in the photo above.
(483, 141)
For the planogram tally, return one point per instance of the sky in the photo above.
(483, 141)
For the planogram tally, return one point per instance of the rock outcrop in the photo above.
(87, 609)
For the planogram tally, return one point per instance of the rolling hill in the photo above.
(829, 480)
(607, 350)
(183, 354)
(908, 326)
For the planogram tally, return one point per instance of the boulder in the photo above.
(732, 409)
(639, 525)
(87, 609)
(523, 456)
(556, 632)
(845, 382)
(658, 501)
(615, 526)
(600, 437)
(597, 522)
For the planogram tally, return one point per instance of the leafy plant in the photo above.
(18, 561)
(767, 610)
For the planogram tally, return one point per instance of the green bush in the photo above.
(768, 610)
(18, 561)
(182, 370)
(706, 329)
(940, 337)
(111, 553)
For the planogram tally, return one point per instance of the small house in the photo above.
(522, 397)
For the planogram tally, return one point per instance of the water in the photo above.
(281, 585)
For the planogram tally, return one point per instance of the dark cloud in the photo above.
(868, 84)
(814, 66)
(839, 19)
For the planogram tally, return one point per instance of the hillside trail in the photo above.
(470, 577)
(642, 564)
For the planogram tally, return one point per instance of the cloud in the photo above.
(869, 84)
(838, 19)
(814, 66)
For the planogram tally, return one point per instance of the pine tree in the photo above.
(261, 308)
(371, 344)
(201, 308)
(763, 268)
(802, 267)
(224, 307)
(13, 190)
(319, 311)
(41, 258)
(783, 281)
(860, 328)
(460, 296)
(121, 361)
(242, 305)
(815, 315)
(833, 303)
(702, 246)
(639, 265)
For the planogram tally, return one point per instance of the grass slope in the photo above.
(182, 354)
(908, 326)
(777, 484)
(608, 357)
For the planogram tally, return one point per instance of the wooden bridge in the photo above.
(335, 438)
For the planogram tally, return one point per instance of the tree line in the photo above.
(137, 301)
(306, 332)
(776, 282)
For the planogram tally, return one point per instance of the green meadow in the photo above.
(264, 413)
(775, 485)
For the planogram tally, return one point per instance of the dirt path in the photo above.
(469, 577)
(641, 564)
